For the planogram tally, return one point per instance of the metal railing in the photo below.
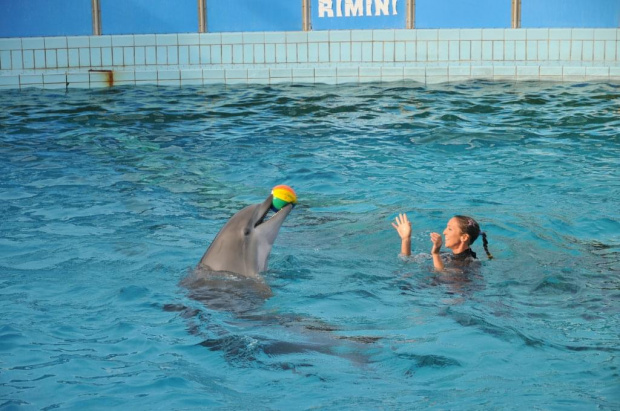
(96, 10)
(515, 15)
(202, 16)
(306, 15)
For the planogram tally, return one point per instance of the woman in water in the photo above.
(460, 233)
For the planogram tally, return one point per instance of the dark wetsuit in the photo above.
(464, 255)
(461, 268)
(461, 259)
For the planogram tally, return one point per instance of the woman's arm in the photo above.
(403, 227)
(437, 242)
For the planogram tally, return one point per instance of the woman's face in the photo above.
(453, 236)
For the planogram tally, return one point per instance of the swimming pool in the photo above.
(110, 197)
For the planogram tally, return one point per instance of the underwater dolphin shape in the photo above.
(244, 243)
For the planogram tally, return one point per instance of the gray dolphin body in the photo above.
(243, 245)
(227, 278)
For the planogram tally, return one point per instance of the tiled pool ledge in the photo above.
(180, 76)
(332, 57)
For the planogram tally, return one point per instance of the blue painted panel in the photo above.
(358, 14)
(435, 14)
(39, 18)
(253, 15)
(148, 16)
(570, 13)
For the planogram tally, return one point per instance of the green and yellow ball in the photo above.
(282, 195)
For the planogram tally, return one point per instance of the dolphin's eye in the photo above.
(246, 231)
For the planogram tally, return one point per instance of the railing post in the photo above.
(410, 14)
(305, 15)
(96, 12)
(516, 14)
(202, 16)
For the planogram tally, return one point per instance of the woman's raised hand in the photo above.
(403, 226)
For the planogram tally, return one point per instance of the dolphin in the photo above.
(227, 278)
(243, 245)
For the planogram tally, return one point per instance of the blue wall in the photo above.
(148, 16)
(33, 18)
(432, 14)
(253, 15)
(570, 13)
(27, 18)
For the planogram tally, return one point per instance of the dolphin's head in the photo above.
(243, 245)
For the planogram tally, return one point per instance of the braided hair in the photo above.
(470, 227)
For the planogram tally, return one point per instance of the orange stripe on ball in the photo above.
(284, 193)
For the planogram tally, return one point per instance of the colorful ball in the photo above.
(282, 195)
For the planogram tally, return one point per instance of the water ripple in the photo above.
(110, 197)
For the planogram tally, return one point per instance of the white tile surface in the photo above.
(333, 57)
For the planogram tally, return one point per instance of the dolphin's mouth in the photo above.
(275, 218)
(264, 218)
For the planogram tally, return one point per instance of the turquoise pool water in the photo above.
(109, 198)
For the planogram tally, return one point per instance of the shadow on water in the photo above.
(233, 320)
(457, 280)
(224, 291)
